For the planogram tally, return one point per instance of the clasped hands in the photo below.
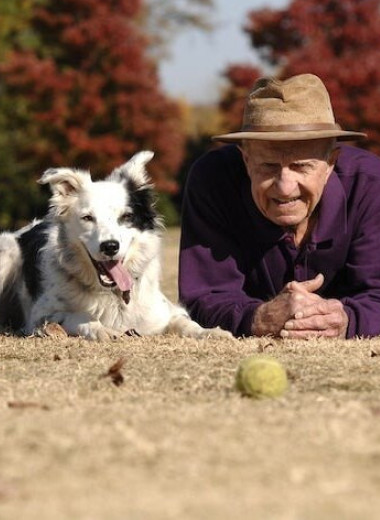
(297, 312)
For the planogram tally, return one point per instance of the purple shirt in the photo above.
(233, 259)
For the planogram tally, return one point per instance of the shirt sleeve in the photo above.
(362, 304)
(211, 267)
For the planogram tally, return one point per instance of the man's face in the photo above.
(288, 177)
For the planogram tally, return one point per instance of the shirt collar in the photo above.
(332, 218)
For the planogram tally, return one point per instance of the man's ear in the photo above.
(331, 160)
(333, 157)
(244, 153)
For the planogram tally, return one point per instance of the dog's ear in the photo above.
(65, 184)
(134, 169)
(64, 181)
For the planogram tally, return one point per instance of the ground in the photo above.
(165, 435)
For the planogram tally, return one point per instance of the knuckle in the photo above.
(336, 305)
(296, 302)
(288, 287)
(319, 323)
(331, 332)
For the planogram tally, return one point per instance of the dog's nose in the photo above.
(110, 247)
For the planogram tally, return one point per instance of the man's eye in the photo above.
(88, 218)
(303, 168)
(270, 167)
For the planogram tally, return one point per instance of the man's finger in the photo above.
(316, 322)
(315, 283)
(319, 307)
(306, 334)
(308, 286)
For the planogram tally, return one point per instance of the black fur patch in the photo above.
(11, 312)
(31, 242)
(142, 201)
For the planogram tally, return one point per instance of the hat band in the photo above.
(291, 128)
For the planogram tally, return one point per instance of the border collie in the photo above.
(93, 263)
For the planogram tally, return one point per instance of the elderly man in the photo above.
(281, 229)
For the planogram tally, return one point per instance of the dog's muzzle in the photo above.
(112, 273)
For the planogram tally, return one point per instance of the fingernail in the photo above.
(298, 315)
(289, 325)
(284, 333)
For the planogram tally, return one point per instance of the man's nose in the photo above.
(286, 182)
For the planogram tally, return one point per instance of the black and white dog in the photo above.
(93, 263)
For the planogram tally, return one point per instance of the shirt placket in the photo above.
(297, 257)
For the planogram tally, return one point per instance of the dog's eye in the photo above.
(88, 218)
(125, 217)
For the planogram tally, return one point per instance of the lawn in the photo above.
(168, 437)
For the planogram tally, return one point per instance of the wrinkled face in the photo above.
(288, 177)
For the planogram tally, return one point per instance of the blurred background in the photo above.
(86, 84)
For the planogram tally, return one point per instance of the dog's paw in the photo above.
(215, 333)
(95, 331)
(183, 325)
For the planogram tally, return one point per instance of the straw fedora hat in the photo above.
(296, 109)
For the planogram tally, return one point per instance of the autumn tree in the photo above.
(86, 96)
(337, 40)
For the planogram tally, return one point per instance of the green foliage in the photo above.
(15, 28)
(84, 95)
(20, 199)
(166, 208)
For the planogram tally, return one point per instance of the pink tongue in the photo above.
(119, 274)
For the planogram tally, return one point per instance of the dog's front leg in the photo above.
(80, 324)
(183, 325)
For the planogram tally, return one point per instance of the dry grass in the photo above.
(174, 440)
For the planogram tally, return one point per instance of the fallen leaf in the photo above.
(54, 330)
(27, 404)
(262, 348)
(114, 372)
(51, 330)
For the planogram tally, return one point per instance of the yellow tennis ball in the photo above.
(260, 376)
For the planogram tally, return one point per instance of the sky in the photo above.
(197, 59)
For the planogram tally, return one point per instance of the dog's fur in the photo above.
(93, 263)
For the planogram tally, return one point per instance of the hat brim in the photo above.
(341, 135)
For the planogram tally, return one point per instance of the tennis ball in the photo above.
(260, 376)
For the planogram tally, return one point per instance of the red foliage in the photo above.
(337, 40)
(92, 94)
